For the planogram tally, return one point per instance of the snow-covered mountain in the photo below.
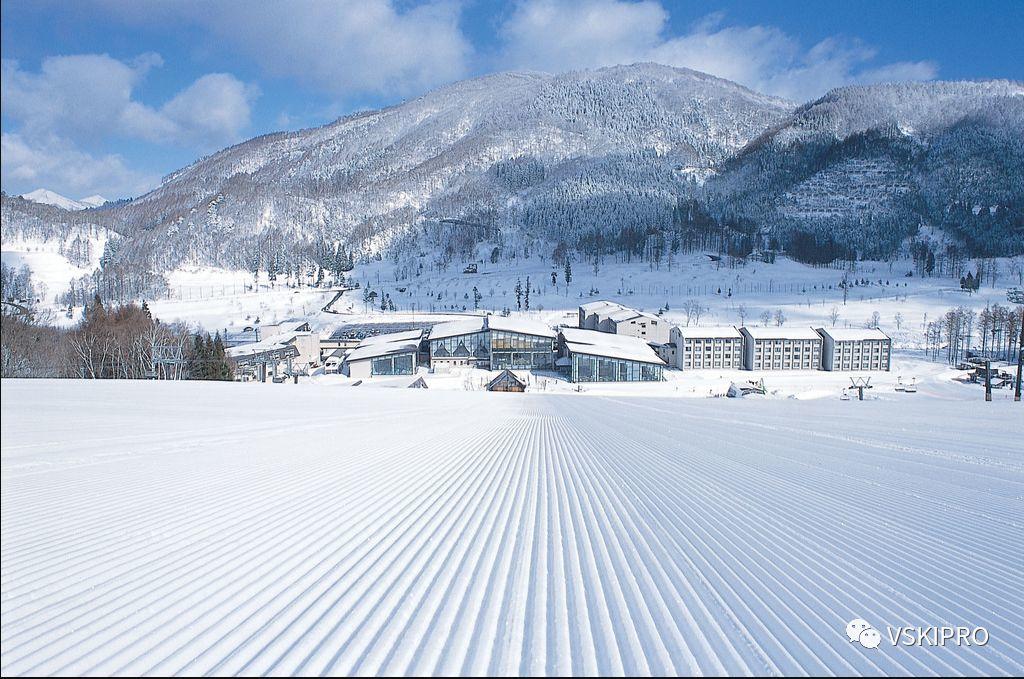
(94, 200)
(863, 166)
(630, 160)
(508, 151)
(47, 197)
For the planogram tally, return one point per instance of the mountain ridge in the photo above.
(601, 161)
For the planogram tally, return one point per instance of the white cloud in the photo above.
(75, 104)
(89, 97)
(58, 164)
(345, 48)
(556, 35)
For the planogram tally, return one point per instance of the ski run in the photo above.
(197, 528)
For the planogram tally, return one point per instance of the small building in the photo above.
(332, 361)
(602, 357)
(708, 348)
(506, 381)
(391, 354)
(855, 349)
(781, 348)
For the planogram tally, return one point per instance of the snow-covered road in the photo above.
(273, 529)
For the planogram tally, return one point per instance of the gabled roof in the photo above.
(594, 343)
(505, 376)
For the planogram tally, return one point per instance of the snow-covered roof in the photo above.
(613, 311)
(622, 314)
(794, 333)
(463, 326)
(854, 334)
(410, 335)
(709, 332)
(594, 343)
(520, 325)
(599, 305)
(267, 344)
(290, 325)
(385, 345)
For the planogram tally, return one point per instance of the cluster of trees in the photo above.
(961, 333)
(110, 342)
(16, 284)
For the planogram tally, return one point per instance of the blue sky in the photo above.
(106, 96)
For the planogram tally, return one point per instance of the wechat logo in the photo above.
(863, 633)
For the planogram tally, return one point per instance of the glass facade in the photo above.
(396, 364)
(520, 351)
(586, 368)
(500, 349)
(474, 346)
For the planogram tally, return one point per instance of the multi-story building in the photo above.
(591, 356)
(855, 349)
(781, 348)
(703, 348)
(615, 318)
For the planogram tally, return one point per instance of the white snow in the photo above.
(209, 528)
(47, 197)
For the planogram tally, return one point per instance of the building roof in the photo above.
(524, 326)
(266, 345)
(386, 345)
(463, 326)
(599, 305)
(409, 335)
(503, 377)
(794, 333)
(709, 332)
(594, 343)
(853, 334)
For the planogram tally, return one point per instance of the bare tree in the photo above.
(780, 318)
(833, 316)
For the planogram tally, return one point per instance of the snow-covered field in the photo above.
(314, 529)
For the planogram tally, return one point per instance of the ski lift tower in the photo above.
(860, 384)
(1016, 296)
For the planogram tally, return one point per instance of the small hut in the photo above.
(506, 381)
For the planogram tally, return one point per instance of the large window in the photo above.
(472, 346)
(398, 364)
(586, 368)
(521, 351)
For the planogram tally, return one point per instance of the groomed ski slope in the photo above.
(189, 528)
